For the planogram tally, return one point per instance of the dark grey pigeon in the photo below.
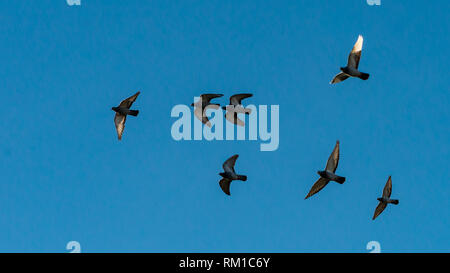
(385, 199)
(328, 174)
(122, 111)
(201, 105)
(351, 70)
(229, 174)
(236, 103)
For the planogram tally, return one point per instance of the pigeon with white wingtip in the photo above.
(351, 70)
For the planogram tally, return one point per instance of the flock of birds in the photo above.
(235, 107)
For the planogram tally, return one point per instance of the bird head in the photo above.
(380, 199)
(114, 108)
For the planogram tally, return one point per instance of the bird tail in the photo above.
(340, 179)
(242, 177)
(364, 76)
(394, 201)
(134, 112)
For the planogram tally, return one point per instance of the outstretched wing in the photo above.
(381, 206)
(387, 188)
(228, 165)
(200, 115)
(207, 97)
(237, 99)
(339, 77)
(355, 54)
(119, 121)
(319, 185)
(233, 118)
(333, 160)
(129, 101)
(225, 185)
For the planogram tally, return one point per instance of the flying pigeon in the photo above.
(328, 174)
(351, 70)
(385, 199)
(203, 103)
(122, 111)
(235, 108)
(229, 174)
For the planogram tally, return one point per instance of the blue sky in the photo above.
(65, 176)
